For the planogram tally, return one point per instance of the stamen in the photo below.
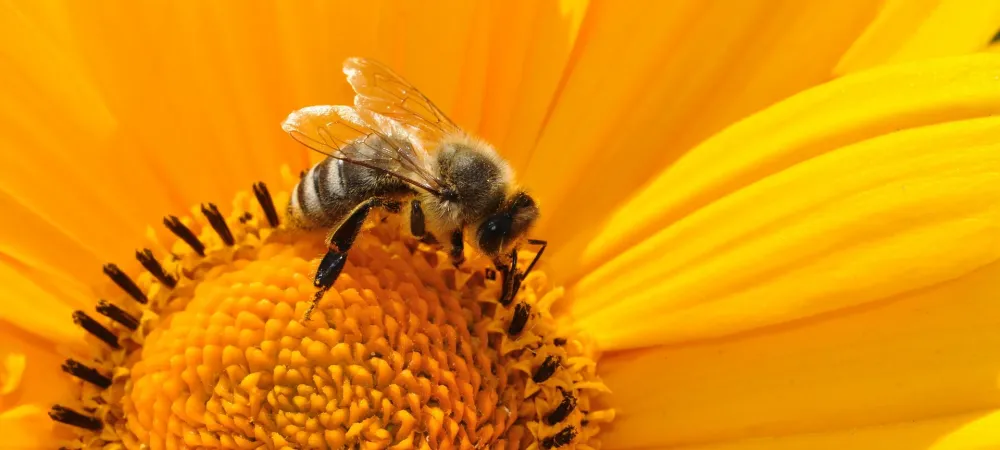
(246, 217)
(218, 223)
(519, 320)
(266, 203)
(565, 407)
(559, 342)
(113, 312)
(126, 283)
(99, 331)
(85, 373)
(71, 417)
(546, 370)
(147, 260)
(184, 233)
(560, 439)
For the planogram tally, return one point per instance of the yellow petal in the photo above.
(23, 417)
(916, 371)
(757, 233)
(908, 30)
(32, 309)
(976, 430)
(646, 84)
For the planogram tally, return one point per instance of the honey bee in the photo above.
(393, 149)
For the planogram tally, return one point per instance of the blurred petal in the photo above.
(23, 412)
(919, 370)
(646, 84)
(32, 309)
(908, 30)
(56, 134)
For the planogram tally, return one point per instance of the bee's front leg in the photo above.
(510, 279)
(457, 251)
(339, 243)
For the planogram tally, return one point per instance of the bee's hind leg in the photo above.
(339, 243)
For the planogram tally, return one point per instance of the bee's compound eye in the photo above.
(493, 232)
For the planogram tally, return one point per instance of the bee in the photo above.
(395, 149)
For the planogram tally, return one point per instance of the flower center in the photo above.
(209, 347)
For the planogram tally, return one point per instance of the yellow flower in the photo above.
(761, 255)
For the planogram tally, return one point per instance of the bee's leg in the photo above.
(537, 255)
(339, 243)
(457, 251)
(510, 279)
(418, 225)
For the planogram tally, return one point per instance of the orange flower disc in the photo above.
(405, 352)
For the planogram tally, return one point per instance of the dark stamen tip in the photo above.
(113, 312)
(125, 283)
(266, 203)
(566, 406)
(70, 417)
(218, 223)
(546, 370)
(563, 437)
(86, 373)
(184, 233)
(147, 260)
(93, 327)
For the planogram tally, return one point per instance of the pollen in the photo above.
(207, 346)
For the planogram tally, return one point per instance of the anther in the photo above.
(546, 370)
(491, 274)
(218, 223)
(266, 203)
(559, 342)
(246, 217)
(148, 261)
(519, 319)
(86, 373)
(99, 331)
(563, 437)
(184, 233)
(125, 283)
(566, 406)
(70, 417)
(113, 312)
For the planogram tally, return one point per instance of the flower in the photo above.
(760, 269)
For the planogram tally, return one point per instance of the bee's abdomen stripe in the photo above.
(330, 181)
(308, 199)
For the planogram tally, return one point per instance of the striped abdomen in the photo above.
(333, 188)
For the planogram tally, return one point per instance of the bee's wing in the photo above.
(383, 92)
(341, 132)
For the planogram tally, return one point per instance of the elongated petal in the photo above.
(908, 30)
(648, 83)
(23, 417)
(781, 217)
(918, 370)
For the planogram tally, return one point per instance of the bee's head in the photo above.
(508, 225)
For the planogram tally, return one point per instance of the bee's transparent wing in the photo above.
(341, 132)
(383, 92)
